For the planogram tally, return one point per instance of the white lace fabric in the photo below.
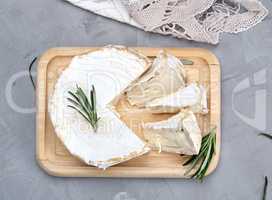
(198, 20)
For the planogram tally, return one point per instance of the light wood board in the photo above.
(54, 158)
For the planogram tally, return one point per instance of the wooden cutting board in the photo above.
(55, 159)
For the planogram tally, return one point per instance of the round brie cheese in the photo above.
(110, 70)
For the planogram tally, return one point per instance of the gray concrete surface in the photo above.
(29, 27)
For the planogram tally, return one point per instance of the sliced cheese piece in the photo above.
(110, 70)
(165, 76)
(192, 96)
(178, 134)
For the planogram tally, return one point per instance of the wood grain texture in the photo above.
(55, 159)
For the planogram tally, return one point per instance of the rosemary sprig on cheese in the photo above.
(203, 159)
(85, 106)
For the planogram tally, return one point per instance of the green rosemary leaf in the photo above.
(266, 135)
(195, 161)
(190, 160)
(204, 167)
(82, 97)
(73, 101)
(265, 188)
(82, 100)
(74, 96)
(79, 111)
(94, 99)
(92, 95)
(205, 143)
(86, 107)
(206, 160)
(198, 173)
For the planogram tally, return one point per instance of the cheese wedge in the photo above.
(192, 96)
(110, 70)
(178, 134)
(165, 76)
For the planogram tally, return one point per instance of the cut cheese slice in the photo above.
(165, 76)
(110, 70)
(192, 96)
(178, 134)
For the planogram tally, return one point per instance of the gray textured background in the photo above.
(29, 27)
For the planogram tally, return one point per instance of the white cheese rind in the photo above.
(111, 70)
(165, 76)
(178, 134)
(192, 96)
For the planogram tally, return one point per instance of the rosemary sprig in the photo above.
(265, 187)
(266, 135)
(204, 157)
(84, 106)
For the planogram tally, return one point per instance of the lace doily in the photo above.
(198, 20)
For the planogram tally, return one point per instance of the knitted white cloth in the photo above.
(198, 20)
